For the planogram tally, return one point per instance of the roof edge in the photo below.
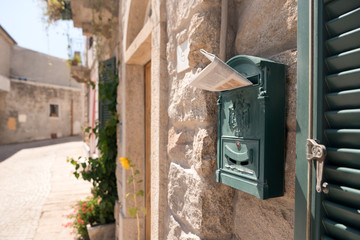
(7, 36)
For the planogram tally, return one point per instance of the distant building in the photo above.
(38, 98)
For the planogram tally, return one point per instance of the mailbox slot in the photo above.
(251, 129)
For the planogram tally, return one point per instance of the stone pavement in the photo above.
(37, 188)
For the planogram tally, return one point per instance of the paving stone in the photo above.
(37, 188)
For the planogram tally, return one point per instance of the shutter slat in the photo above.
(344, 42)
(345, 157)
(343, 138)
(340, 231)
(106, 75)
(344, 61)
(344, 23)
(342, 214)
(343, 118)
(344, 99)
(335, 8)
(344, 80)
(341, 46)
(348, 177)
(344, 195)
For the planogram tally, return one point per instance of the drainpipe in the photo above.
(223, 29)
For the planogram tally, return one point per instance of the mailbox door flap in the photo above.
(240, 157)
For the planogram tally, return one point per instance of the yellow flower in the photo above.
(125, 162)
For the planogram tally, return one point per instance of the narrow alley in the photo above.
(37, 188)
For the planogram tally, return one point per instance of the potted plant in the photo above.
(75, 61)
(86, 218)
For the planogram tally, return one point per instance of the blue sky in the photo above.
(23, 20)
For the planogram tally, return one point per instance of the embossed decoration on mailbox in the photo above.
(251, 129)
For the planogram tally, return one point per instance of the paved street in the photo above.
(37, 188)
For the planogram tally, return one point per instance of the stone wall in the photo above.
(25, 110)
(199, 208)
(186, 201)
(268, 29)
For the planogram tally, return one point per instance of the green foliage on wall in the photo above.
(101, 171)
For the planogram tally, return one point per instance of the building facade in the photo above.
(41, 100)
(169, 128)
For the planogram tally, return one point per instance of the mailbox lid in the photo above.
(248, 66)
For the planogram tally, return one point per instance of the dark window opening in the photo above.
(54, 110)
(90, 42)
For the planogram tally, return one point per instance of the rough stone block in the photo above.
(204, 33)
(204, 152)
(290, 159)
(255, 218)
(191, 105)
(289, 58)
(184, 195)
(182, 10)
(180, 145)
(194, 147)
(202, 206)
(176, 233)
(266, 27)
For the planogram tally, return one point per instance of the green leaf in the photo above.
(83, 165)
(73, 162)
(92, 84)
(133, 211)
(140, 193)
(136, 172)
(140, 181)
(130, 179)
(76, 175)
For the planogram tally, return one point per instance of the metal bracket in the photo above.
(317, 152)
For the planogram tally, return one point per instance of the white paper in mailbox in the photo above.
(218, 76)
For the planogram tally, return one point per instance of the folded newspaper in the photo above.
(218, 76)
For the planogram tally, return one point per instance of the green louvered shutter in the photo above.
(340, 208)
(107, 71)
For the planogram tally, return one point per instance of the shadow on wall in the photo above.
(8, 150)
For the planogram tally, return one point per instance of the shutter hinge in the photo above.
(317, 152)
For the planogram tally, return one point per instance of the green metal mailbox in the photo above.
(251, 129)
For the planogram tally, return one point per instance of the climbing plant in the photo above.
(100, 171)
